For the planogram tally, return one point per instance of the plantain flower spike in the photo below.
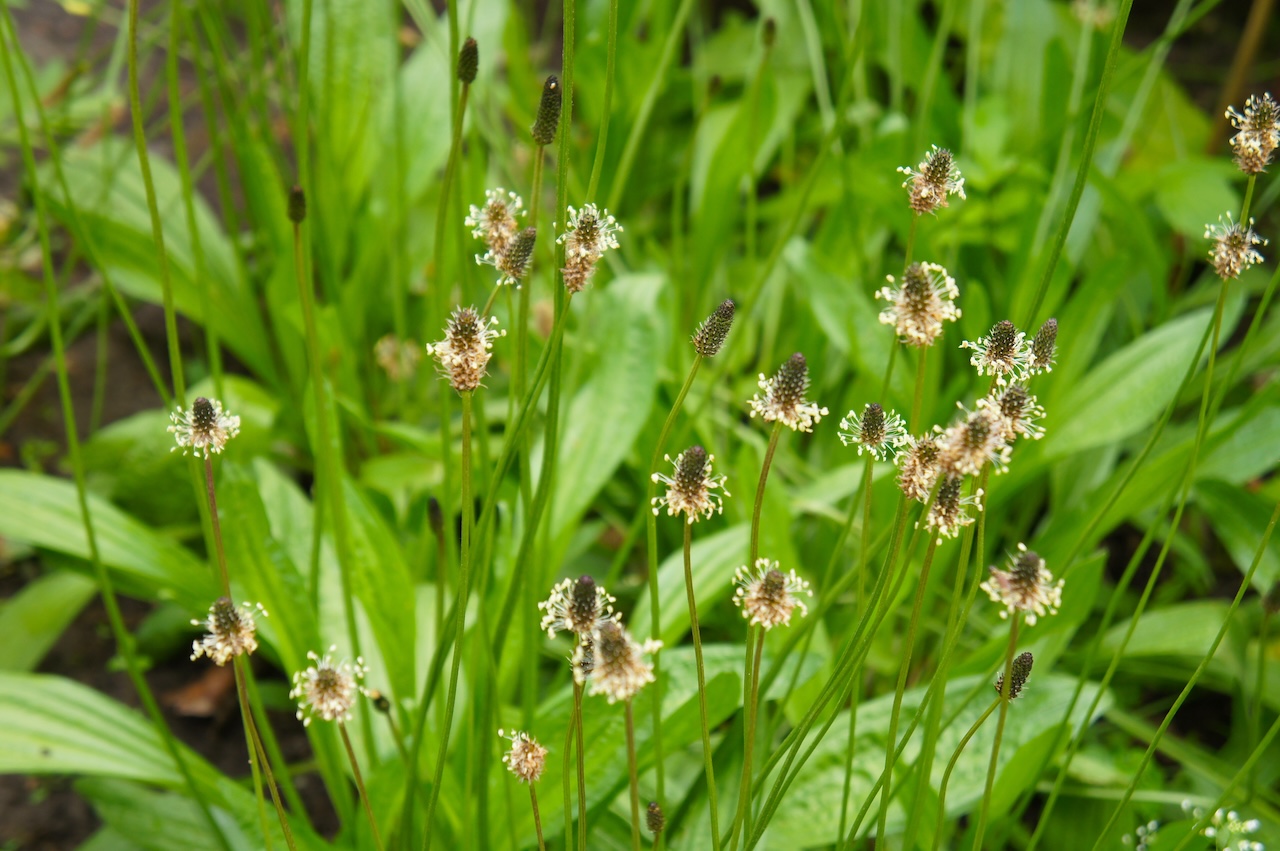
(497, 222)
(783, 399)
(1027, 587)
(548, 117)
(589, 233)
(1233, 249)
(936, 178)
(949, 512)
(1003, 353)
(526, 759)
(921, 304)
(1258, 133)
(327, 689)
(620, 669)
(466, 348)
(203, 429)
(1043, 348)
(919, 466)
(692, 489)
(232, 631)
(873, 431)
(711, 334)
(468, 62)
(576, 606)
(1018, 675)
(767, 596)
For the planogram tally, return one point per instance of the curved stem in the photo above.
(1006, 683)
(364, 795)
(702, 688)
(951, 764)
(464, 580)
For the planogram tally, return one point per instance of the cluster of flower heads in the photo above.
(1026, 587)
(1227, 829)
(203, 429)
(498, 223)
(327, 689)
(467, 346)
(767, 596)
(589, 233)
(231, 631)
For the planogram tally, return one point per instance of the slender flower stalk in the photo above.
(702, 689)
(634, 780)
(940, 825)
(1006, 685)
(364, 794)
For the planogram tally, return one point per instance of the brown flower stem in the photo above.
(257, 753)
(655, 604)
(537, 818)
(754, 552)
(742, 821)
(702, 687)
(946, 775)
(903, 669)
(635, 782)
(364, 795)
(1006, 683)
(464, 580)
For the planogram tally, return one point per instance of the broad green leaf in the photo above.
(43, 511)
(1240, 520)
(1193, 191)
(602, 424)
(33, 619)
(1180, 630)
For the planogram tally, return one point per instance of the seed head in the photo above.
(1233, 249)
(654, 818)
(526, 759)
(497, 222)
(767, 596)
(918, 308)
(513, 262)
(975, 441)
(1259, 132)
(1004, 352)
(784, 397)
(232, 631)
(919, 466)
(327, 690)
(1043, 346)
(204, 428)
(770, 32)
(1019, 410)
(1027, 587)
(577, 607)
(548, 118)
(466, 348)
(692, 489)
(936, 178)
(379, 700)
(620, 667)
(297, 205)
(874, 431)
(1017, 676)
(711, 334)
(589, 233)
(468, 61)
(398, 358)
(949, 514)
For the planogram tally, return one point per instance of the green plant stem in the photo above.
(1185, 488)
(537, 818)
(752, 717)
(580, 763)
(257, 753)
(911, 241)
(464, 582)
(217, 527)
(918, 401)
(606, 109)
(565, 774)
(1255, 713)
(702, 688)
(1006, 683)
(754, 552)
(1248, 199)
(153, 208)
(940, 825)
(124, 641)
(631, 772)
(904, 669)
(364, 795)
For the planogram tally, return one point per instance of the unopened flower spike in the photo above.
(979, 439)
(1233, 249)
(1259, 133)
(468, 61)
(1018, 676)
(711, 334)
(589, 233)
(1019, 410)
(918, 466)
(466, 348)
(1026, 586)
(513, 262)
(783, 399)
(874, 431)
(497, 222)
(526, 759)
(548, 117)
(1004, 352)
(921, 304)
(767, 596)
(577, 606)
(935, 179)
(620, 667)
(1043, 348)
(204, 428)
(654, 818)
(232, 631)
(327, 690)
(949, 513)
(692, 489)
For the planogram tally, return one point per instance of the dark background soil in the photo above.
(44, 813)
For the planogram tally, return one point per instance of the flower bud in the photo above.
(1018, 675)
(297, 205)
(468, 61)
(548, 118)
(654, 818)
(711, 334)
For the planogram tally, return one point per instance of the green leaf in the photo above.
(713, 559)
(43, 511)
(1193, 191)
(1240, 519)
(33, 619)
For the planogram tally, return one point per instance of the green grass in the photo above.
(761, 172)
